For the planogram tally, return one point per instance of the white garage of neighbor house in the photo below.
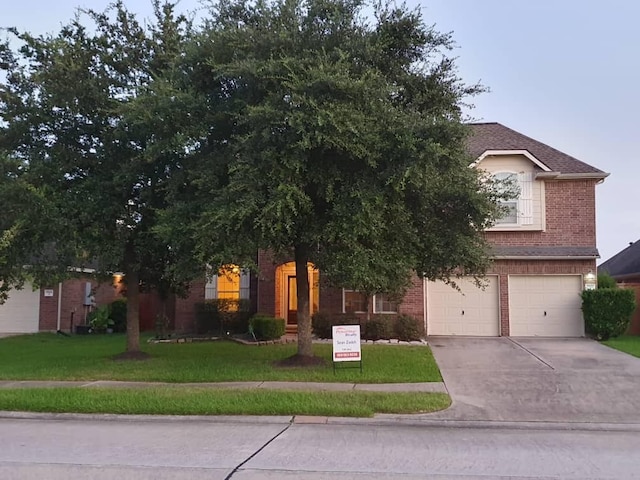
(21, 312)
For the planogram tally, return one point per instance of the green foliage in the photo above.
(379, 327)
(607, 311)
(408, 328)
(334, 136)
(88, 155)
(118, 313)
(223, 315)
(266, 327)
(322, 322)
(606, 281)
(100, 319)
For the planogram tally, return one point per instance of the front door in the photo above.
(292, 301)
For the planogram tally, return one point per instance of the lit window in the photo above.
(231, 283)
(383, 304)
(353, 301)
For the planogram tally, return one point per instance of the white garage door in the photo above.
(472, 311)
(21, 312)
(546, 306)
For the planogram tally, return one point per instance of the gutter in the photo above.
(571, 176)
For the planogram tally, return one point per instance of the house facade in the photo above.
(544, 252)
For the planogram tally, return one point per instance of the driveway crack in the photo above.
(240, 465)
(530, 352)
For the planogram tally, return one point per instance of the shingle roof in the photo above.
(494, 136)
(624, 263)
(550, 251)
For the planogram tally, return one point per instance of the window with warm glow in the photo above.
(231, 283)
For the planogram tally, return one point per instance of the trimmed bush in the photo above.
(321, 322)
(266, 327)
(607, 311)
(408, 328)
(379, 327)
(606, 281)
(118, 309)
(223, 315)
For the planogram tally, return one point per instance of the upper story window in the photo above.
(518, 209)
(231, 283)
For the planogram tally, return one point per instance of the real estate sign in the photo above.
(346, 343)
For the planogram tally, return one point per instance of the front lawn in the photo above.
(202, 401)
(54, 357)
(626, 343)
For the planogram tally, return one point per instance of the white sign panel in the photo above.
(48, 292)
(346, 343)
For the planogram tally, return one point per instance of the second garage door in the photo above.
(473, 311)
(545, 305)
(20, 313)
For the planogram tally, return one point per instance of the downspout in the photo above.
(59, 306)
(424, 304)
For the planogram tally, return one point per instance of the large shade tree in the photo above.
(83, 150)
(335, 138)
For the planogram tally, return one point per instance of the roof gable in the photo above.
(624, 263)
(494, 136)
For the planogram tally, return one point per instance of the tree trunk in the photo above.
(133, 311)
(305, 346)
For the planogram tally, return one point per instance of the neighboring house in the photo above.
(544, 251)
(624, 267)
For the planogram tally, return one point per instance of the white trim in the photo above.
(524, 153)
(572, 176)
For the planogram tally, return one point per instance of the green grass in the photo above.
(201, 401)
(626, 343)
(52, 357)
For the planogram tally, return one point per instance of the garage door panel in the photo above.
(21, 312)
(545, 305)
(472, 311)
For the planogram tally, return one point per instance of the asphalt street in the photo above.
(273, 448)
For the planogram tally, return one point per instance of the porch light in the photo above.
(590, 281)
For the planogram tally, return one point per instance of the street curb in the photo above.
(380, 421)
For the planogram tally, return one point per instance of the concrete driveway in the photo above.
(534, 379)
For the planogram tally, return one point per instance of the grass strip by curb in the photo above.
(201, 401)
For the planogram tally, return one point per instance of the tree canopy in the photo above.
(337, 139)
(310, 128)
(76, 132)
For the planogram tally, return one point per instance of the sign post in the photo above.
(346, 344)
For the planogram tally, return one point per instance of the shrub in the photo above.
(223, 315)
(321, 322)
(408, 328)
(606, 281)
(99, 319)
(266, 327)
(607, 311)
(379, 327)
(118, 309)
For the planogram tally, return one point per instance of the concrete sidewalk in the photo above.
(303, 386)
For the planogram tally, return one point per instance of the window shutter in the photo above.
(525, 201)
(211, 288)
(245, 283)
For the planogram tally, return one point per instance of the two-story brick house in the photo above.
(544, 253)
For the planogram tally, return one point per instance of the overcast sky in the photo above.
(565, 72)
